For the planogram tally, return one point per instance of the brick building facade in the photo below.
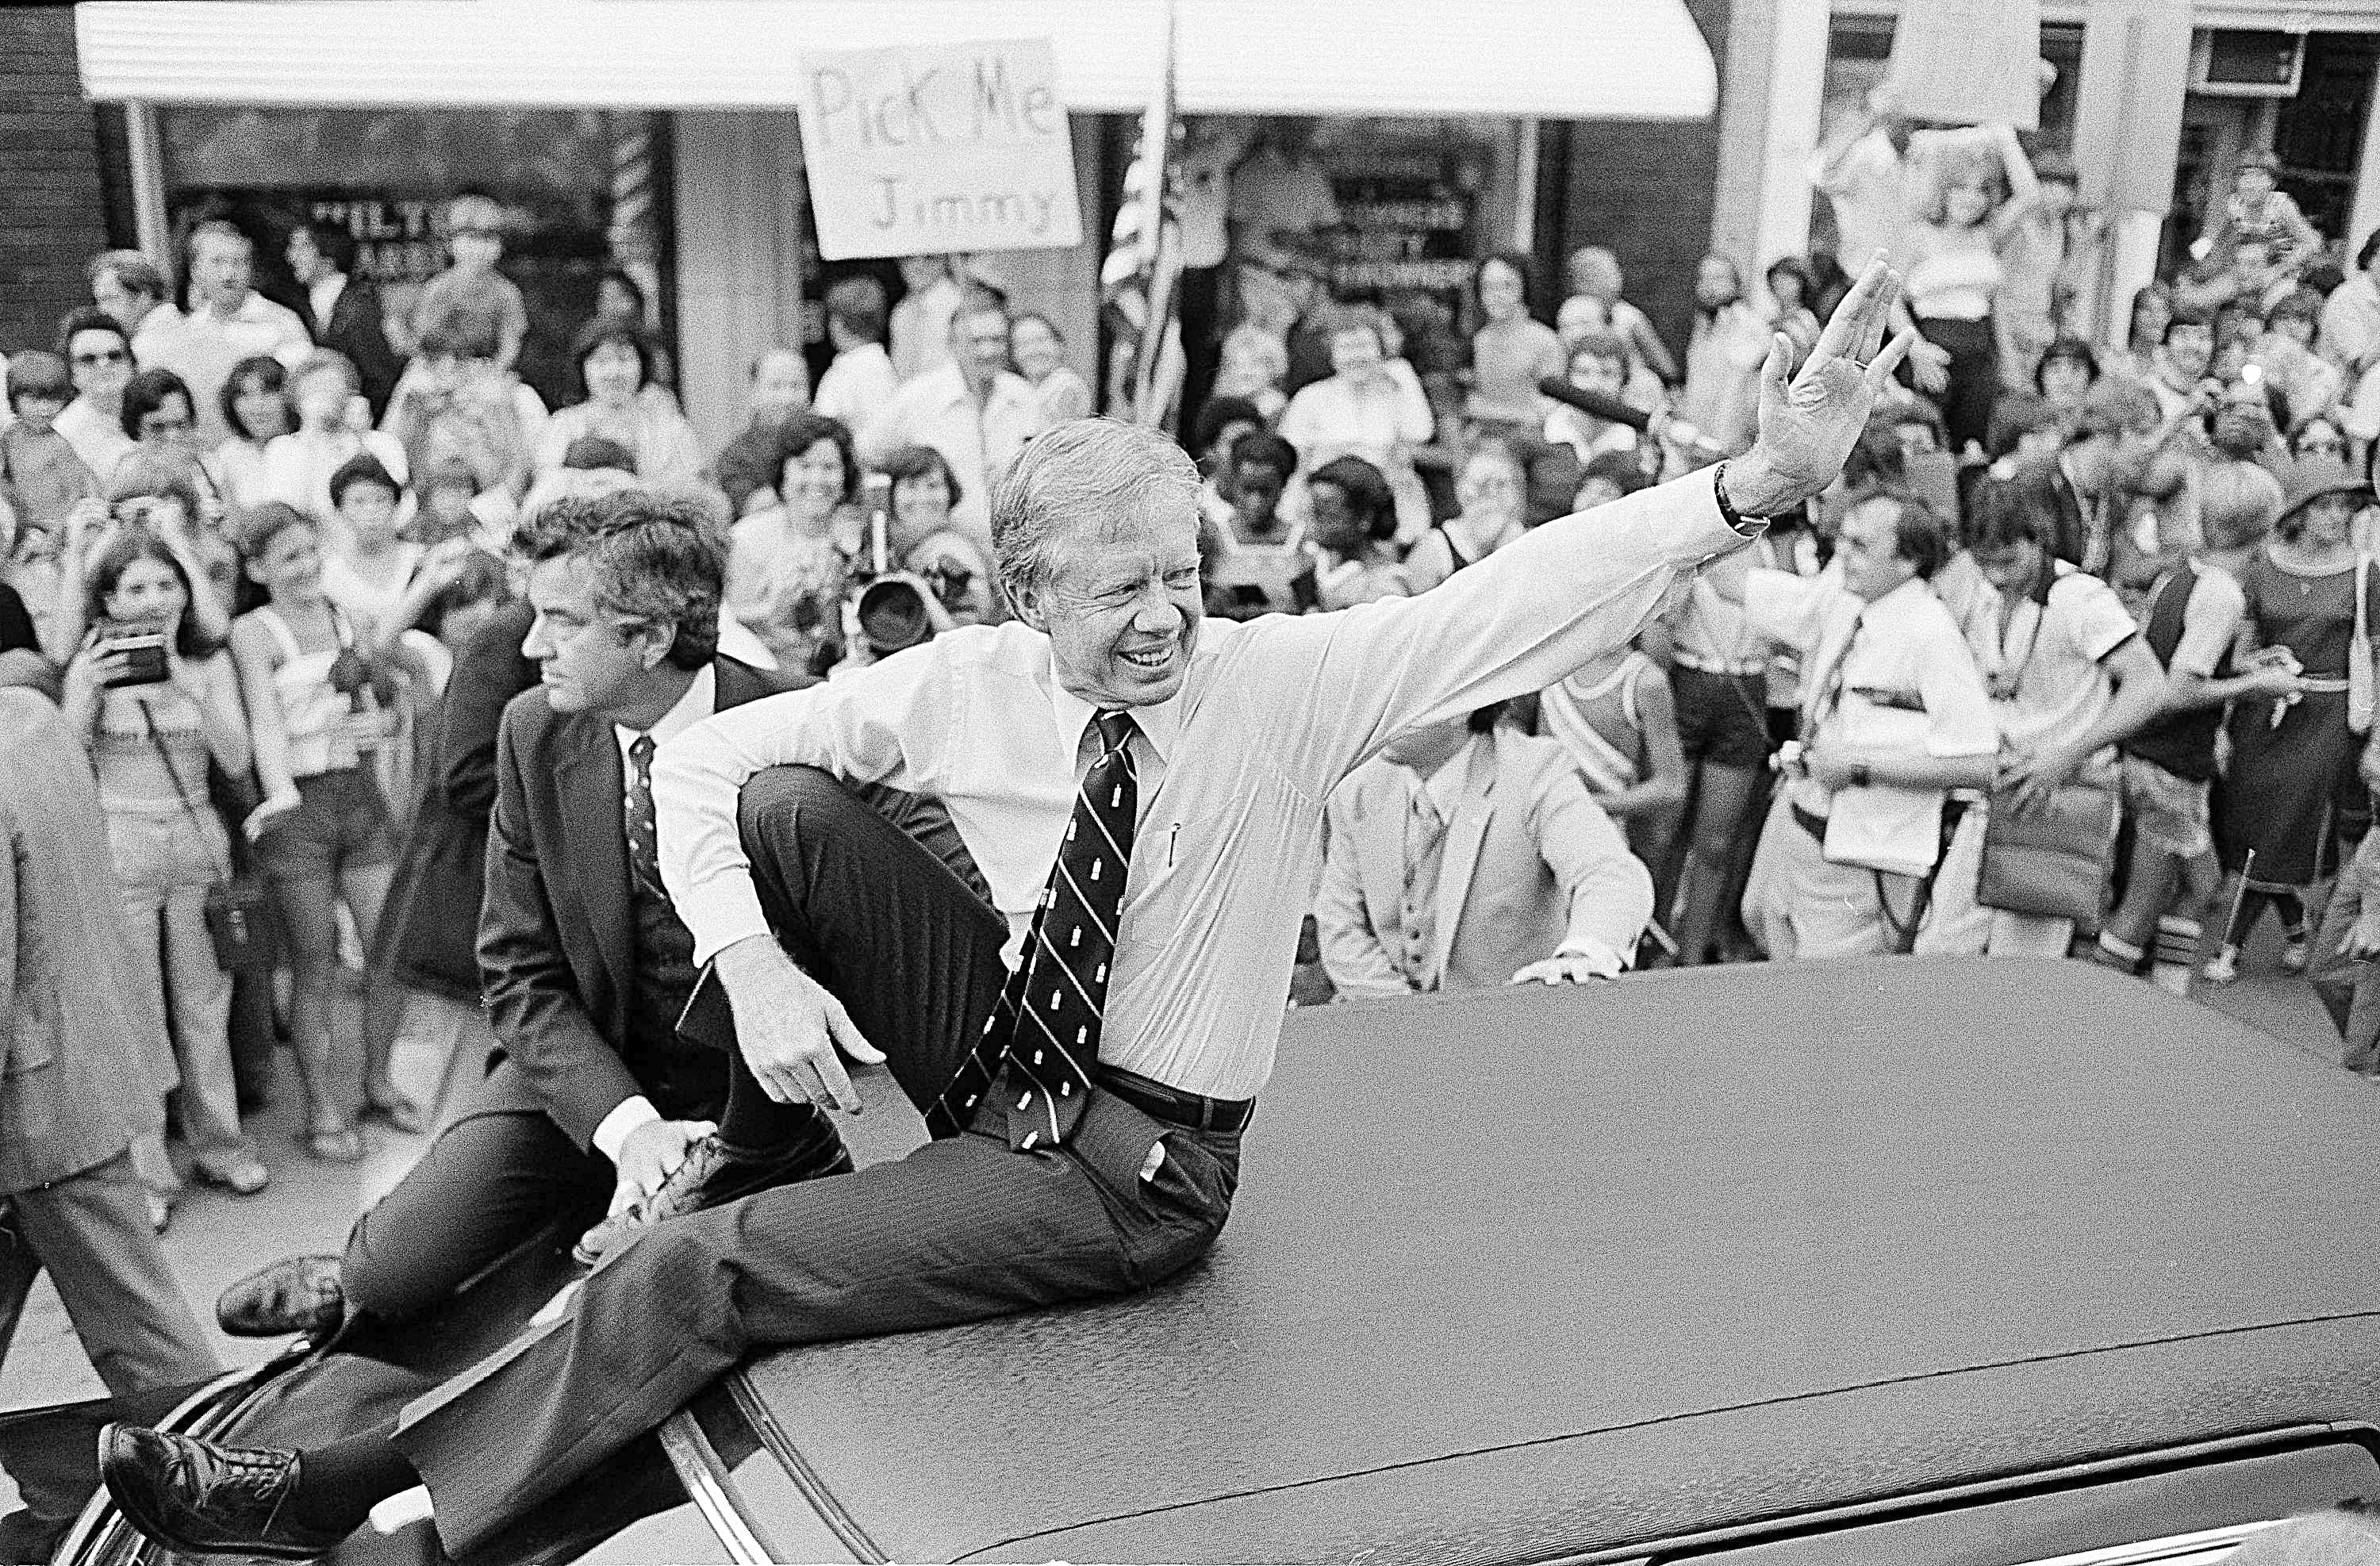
(55, 203)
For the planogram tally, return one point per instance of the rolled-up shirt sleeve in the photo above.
(865, 727)
(1342, 684)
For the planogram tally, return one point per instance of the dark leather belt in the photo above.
(1174, 1106)
(1810, 821)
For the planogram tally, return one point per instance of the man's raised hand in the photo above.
(788, 1026)
(1810, 422)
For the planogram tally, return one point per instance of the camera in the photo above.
(140, 643)
(893, 615)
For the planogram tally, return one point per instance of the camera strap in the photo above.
(165, 760)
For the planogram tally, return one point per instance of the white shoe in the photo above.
(2294, 956)
(2222, 967)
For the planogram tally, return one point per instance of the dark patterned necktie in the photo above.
(1045, 1027)
(644, 829)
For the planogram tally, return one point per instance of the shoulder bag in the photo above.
(239, 910)
(2055, 860)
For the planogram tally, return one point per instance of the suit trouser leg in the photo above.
(878, 900)
(483, 1187)
(960, 1229)
(92, 1231)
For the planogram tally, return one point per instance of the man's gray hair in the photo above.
(1083, 470)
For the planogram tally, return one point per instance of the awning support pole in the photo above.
(148, 185)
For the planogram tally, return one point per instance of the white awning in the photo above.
(1555, 59)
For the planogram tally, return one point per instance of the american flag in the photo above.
(1138, 280)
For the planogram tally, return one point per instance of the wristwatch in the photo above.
(1747, 526)
(1861, 776)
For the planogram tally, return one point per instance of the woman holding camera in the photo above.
(923, 542)
(156, 701)
(323, 832)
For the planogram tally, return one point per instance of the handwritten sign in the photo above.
(1969, 62)
(928, 150)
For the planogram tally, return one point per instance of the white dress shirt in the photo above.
(937, 411)
(1891, 674)
(856, 386)
(1234, 767)
(700, 701)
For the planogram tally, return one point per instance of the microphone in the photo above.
(1602, 405)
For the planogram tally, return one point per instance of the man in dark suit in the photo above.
(592, 1096)
(343, 311)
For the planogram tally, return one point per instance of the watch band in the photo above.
(1726, 512)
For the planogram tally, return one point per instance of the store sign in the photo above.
(1969, 62)
(930, 150)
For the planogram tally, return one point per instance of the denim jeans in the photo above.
(164, 867)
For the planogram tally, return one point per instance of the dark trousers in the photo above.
(488, 1182)
(960, 1229)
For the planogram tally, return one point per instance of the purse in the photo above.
(239, 911)
(2053, 861)
(2360, 692)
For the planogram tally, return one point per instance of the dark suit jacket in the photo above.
(557, 960)
(355, 329)
(434, 910)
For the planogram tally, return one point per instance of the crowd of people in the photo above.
(2094, 605)
(2074, 659)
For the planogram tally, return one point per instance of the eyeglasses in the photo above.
(113, 355)
(2307, 448)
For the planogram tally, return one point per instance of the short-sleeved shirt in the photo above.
(486, 303)
(1891, 674)
(2043, 664)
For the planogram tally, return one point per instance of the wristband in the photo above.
(1861, 776)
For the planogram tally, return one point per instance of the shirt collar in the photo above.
(700, 698)
(1160, 724)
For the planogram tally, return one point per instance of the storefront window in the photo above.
(2318, 135)
(582, 190)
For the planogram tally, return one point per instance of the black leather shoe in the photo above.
(294, 1294)
(195, 1498)
(712, 1176)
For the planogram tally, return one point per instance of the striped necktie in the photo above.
(1046, 1026)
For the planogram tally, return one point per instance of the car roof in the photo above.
(1533, 1271)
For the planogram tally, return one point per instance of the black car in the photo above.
(1955, 1261)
